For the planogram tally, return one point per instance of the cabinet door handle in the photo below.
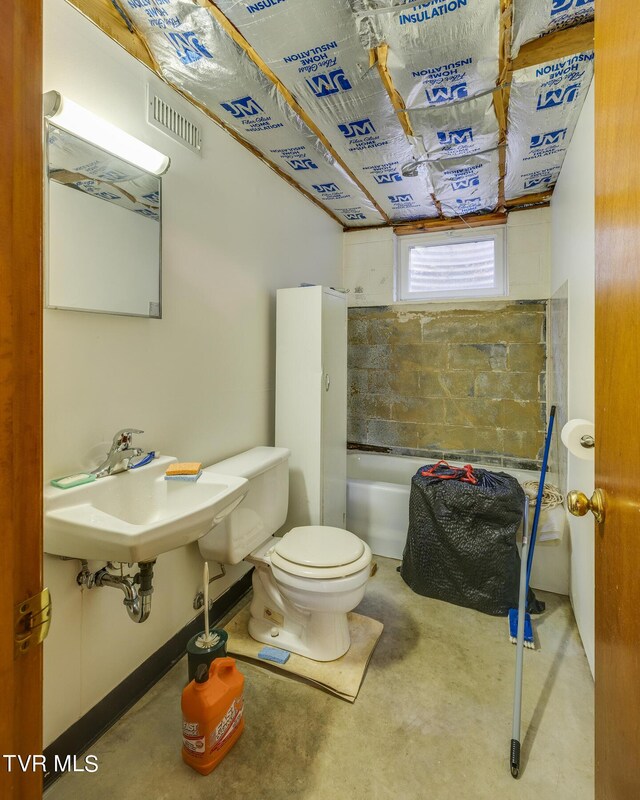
(327, 381)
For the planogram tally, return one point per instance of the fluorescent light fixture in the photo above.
(73, 118)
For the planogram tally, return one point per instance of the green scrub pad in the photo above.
(73, 480)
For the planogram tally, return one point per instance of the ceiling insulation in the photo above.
(315, 50)
(440, 52)
(196, 54)
(341, 94)
(461, 129)
(534, 18)
(544, 107)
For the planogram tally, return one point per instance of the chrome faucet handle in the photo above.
(122, 440)
(119, 457)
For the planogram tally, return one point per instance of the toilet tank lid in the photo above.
(320, 546)
(251, 463)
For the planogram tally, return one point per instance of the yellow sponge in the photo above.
(184, 468)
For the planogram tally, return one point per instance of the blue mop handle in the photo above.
(514, 749)
(543, 475)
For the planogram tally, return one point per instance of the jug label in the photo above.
(190, 729)
(227, 725)
(194, 746)
(191, 739)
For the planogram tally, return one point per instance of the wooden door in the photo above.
(617, 669)
(20, 385)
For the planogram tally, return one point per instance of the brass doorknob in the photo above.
(578, 504)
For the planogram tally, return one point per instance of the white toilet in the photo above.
(305, 582)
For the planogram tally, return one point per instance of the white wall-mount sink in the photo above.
(136, 515)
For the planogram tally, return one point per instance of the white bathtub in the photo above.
(378, 487)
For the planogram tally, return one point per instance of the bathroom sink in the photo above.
(136, 515)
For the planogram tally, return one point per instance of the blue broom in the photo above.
(513, 612)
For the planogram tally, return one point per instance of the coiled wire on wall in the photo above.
(551, 495)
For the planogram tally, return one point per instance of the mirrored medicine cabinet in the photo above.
(104, 230)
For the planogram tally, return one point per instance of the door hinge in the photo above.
(32, 620)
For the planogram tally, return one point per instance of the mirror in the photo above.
(103, 231)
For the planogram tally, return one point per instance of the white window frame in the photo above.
(497, 234)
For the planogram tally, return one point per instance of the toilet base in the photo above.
(277, 622)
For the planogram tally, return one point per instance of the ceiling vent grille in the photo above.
(162, 115)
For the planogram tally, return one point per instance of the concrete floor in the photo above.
(433, 719)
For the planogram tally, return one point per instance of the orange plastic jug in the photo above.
(212, 714)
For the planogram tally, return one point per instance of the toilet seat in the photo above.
(320, 552)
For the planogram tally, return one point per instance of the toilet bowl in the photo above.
(301, 606)
(305, 582)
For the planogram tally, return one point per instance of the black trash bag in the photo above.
(461, 544)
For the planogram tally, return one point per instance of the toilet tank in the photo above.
(263, 510)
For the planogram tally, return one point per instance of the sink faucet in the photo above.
(119, 456)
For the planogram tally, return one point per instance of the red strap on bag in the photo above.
(462, 474)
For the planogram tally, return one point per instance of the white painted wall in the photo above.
(369, 258)
(200, 382)
(573, 260)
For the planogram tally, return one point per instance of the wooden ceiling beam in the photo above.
(381, 54)
(104, 14)
(528, 200)
(455, 223)
(559, 44)
(382, 227)
(501, 94)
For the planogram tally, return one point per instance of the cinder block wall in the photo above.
(458, 383)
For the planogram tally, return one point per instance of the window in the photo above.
(453, 264)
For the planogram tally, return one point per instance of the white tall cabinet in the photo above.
(311, 402)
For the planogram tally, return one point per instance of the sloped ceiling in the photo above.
(382, 112)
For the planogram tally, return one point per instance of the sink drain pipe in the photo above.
(137, 601)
